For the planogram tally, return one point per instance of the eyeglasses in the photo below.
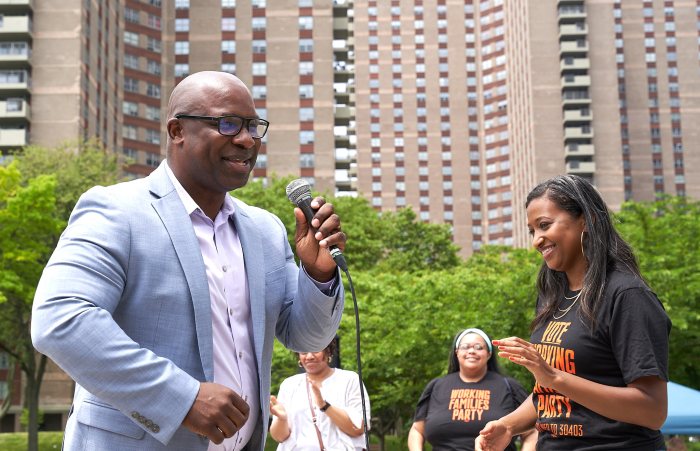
(231, 125)
(475, 346)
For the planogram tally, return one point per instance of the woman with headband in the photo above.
(454, 408)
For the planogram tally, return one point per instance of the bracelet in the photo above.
(325, 407)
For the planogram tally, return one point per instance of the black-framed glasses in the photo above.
(231, 125)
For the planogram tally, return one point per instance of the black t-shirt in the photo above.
(455, 411)
(630, 341)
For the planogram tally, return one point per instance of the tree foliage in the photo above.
(664, 235)
(38, 189)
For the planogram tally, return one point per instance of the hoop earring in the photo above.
(299, 363)
(582, 251)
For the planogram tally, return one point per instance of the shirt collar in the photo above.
(228, 209)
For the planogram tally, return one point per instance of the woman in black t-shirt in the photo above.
(453, 409)
(599, 343)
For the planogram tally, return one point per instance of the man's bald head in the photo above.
(194, 92)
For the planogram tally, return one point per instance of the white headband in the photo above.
(479, 332)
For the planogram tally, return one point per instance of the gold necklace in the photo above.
(566, 310)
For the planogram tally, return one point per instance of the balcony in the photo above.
(575, 64)
(576, 81)
(578, 115)
(584, 132)
(14, 109)
(341, 27)
(15, 28)
(14, 83)
(16, 6)
(578, 97)
(577, 46)
(573, 30)
(15, 55)
(572, 12)
(579, 150)
(343, 113)
(13, 138)
(344, 157)
(580, 167)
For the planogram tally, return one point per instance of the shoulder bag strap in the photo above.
(313, 417)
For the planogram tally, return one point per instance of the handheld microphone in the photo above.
(299, 193)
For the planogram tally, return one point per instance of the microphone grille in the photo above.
(297, 190)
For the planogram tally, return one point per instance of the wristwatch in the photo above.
(325, 407)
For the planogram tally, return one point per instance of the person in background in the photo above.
(320, 408)
(599, 343)
(164, 294)
(454, 408)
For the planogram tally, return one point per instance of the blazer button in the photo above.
(135, 415)
(155, 428)
(149, 424)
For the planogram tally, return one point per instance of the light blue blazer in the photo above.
(123, 307)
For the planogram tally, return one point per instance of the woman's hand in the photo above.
(495, 436)
(525, 354)
(277, 409)
(316, 393)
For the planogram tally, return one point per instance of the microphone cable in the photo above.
(357, 356)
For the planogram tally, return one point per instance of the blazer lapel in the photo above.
(179, 226)
(253, 252)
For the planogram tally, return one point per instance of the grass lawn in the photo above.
(17, 441)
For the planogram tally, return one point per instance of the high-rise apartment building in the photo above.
(97, 68)
(456, 108)
(462, 106)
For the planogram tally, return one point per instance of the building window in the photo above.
(228, 3)
(131, 61)
(228, 67)
(153, 67)
(306, 22)
(228, 24)
(13, 105)
(306, 91)
(182, 24)
(306, 114)
(152, 159)
(306, 160)
(259, 92)
(182, 70)
(306, 45)
(259, 23)
(153, 90)
(259, 69)
(131, 84)
(183, 47)
(154, 21)
(228, 46)
(182, 4)
(131, 38)
(306, 137)
(152, 136)
(129, 132)
(306, 67)
(259, 46)
(130, 108)
(153, 44)
(152, 113)
(131, 15)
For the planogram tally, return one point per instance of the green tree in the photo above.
(409, 319)
(38, 189)
(664, 237)
(28, 228)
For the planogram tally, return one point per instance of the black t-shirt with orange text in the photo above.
(630, 341)
(455, 411)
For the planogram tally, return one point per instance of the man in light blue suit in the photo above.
(164, 294)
